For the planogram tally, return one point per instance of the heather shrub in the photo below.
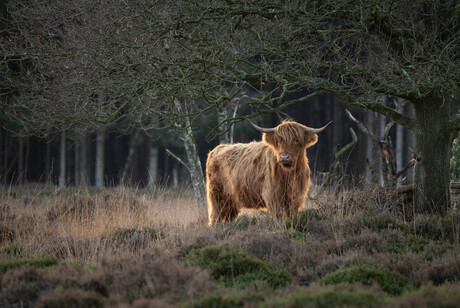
(278, 248)
(150, 275)
(447, 295)
(238, 268)
(243, 222)
(441, 270)
(70, 298)
(367, 241)
(393, 241)
(428, 226)
(133, 238)
(332, 296)
(434, 250)
(46, 261)
(21, 285)
(381, 221)
(451, 226)
(216, 300)
(390, 281)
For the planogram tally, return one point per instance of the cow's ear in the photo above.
(310, 139)
(269, 138)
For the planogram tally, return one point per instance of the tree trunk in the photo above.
(48, 171)
(99, 172)
(21, 160)
(153, 165)
(84, 178)
(194, 164)
(434, 136)
(399, 147)
(175, 174)
(77, 163)
(224, 135)
(26, 161)
(232, 129)
(62, 161)
(370, 172)
(133, 144)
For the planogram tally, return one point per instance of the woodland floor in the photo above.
(122, 247)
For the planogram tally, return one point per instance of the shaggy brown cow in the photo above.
(271, 174)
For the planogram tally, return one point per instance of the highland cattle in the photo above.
(271, 174)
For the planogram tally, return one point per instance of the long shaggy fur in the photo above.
(254, 175)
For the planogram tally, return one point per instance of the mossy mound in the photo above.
(390, 281)
(299, 222)
(238, 268)
(42, 262)
(335, 296)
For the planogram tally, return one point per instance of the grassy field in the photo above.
(128, 247)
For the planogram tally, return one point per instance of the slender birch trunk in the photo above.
(99, 172)
(153, 166)
(194, 164)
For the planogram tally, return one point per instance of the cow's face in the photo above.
(289, 142)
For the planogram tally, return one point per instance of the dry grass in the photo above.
(45, 219)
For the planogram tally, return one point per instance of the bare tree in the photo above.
(67, 51)
(359, 50)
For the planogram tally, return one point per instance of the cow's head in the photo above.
(289, 140)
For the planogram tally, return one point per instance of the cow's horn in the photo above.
(318, 130)
(261, 129)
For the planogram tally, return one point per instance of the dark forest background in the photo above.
(33, 159)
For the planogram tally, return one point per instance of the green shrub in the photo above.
(390, 281)
(238, 268)
(416, 243)
(381, 221)
(337, 296)
(42, 262)
(13, 249)
(299, 222)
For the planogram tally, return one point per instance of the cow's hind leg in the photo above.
(220, 205)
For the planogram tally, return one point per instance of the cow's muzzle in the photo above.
(285, 160)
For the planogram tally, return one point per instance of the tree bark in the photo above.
(99, 172)
(399, 147)
(84, 178)
(21, 160)
(26, 161)
(62, 161)
(194, 163)
(224, 135)
(48, 171)
(153, 165)
(434, 135)
(77, 163)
